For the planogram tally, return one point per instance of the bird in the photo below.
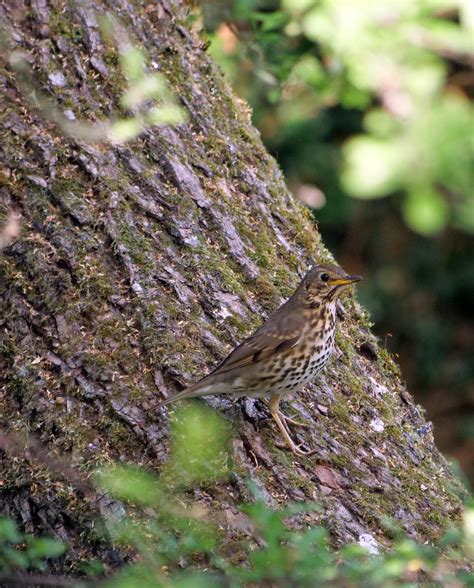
(285, 353)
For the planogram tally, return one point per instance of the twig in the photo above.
(30, 448)
(25, 579)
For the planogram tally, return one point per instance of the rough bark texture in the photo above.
(140, 266)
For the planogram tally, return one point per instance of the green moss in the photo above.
(346, 346)
(137, 245)
(93, 281)
(61, 25)
(386, 363)
(226, 270)
(16, 386)
(340, 461)
(304, 484)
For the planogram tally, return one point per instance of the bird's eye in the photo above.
(325, 277)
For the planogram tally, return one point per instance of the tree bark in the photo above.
(140, 266)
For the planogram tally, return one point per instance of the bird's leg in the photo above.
(287, 419)
(273, 405)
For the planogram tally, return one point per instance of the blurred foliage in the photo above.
(20, 551)
(178, 543)
(366, 106)
(147, 100)
(388, 61)
(175, 542)
(148, 97)
(353, 90)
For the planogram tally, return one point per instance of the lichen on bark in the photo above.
(139, 267)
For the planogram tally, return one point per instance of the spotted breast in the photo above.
(301, 364)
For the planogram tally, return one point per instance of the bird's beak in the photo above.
(345, 281)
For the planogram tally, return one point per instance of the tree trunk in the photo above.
(140, 266)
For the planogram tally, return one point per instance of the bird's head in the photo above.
(324, 284)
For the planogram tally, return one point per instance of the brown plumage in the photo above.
(286, 352)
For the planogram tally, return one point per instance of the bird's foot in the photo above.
(293, 422)
(287, 419)
(304, 452)
(296, 449)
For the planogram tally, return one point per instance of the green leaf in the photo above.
(9, 532)
(200, 444)
(133, 63)
(425, 210)
(468, 527)
(463, 213)
(132, 484)
(14, 558)
(301, 508)
(153, 86)
(170, 114)
(135, 575)
(447, 36)
(443, 139)
(308, 69)
(372, 167)
(125, 130)
(317, 25)
(467, 15)
(44, 547)
(270, 21)
(378, 122)
(297, 6)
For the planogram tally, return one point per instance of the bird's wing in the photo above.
(279, 333)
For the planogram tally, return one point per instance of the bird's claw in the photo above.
(294, 423)
(296, 449)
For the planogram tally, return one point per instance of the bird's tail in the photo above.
(198, 389)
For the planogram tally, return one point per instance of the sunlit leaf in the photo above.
(468, 524)
(200, 444)
(131, 484)
(297, 6)
(422, 79)
(125, 130)
(425, 210)
(372, 167)
(467, 14)
(143, 89)
(317, 25)
(446, 35)
(133, 63)
(309, 69)
(166, 114)
(379, 123)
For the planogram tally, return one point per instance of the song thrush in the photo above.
(286, 352)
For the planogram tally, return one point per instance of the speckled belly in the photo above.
(297, 370)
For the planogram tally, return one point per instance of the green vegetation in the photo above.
(161, 522)
(388, 61)
(20, 551)
(178, 545)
